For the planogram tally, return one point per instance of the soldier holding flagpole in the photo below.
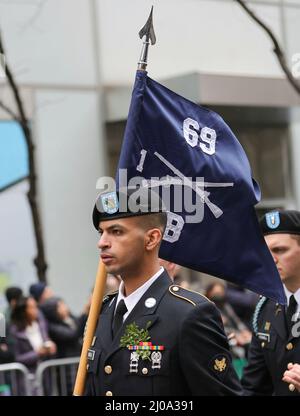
(153, 337)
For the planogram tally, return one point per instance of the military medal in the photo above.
(146, 346)
(134, 362)
(156, 357)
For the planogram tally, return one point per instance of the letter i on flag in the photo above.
(190, 156)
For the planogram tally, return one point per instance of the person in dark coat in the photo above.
(243, 302)
(235, 329)
(153, 337)
(64, 328)
(28, 334)
(274, 354)
(12, 294)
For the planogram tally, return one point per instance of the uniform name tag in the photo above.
(91, 355)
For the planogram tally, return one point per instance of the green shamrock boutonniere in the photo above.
(133, 336)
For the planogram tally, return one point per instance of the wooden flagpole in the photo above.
(95, 308)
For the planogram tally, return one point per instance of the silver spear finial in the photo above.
(146, 33)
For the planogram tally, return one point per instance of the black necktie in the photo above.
(290, 312)
(118, 318)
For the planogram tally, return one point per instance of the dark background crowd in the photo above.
(40, 326)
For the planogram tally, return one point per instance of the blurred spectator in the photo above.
(84, 316)
(64, 328)
(237, 332)
(243, 302)
(172, 269)
(6, 356)
(40, 292)
(12, 294)
(28, 332)
(6, 353)
(112, 283)
(66, 331)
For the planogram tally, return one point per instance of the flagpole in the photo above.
(94, 312)
(146, 33)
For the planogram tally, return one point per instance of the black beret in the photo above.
(280, 222)
(126, 202)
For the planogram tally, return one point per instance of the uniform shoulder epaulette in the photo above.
(188, 295)
(257, 311)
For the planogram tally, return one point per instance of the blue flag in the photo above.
(192, 158)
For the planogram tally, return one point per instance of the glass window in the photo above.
(13, 154)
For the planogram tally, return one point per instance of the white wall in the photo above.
(70, 161)
(49, 42)
(192, 35)
(295, 153)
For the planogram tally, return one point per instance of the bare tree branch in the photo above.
(277, 49)
(39, 261)
(9, 111)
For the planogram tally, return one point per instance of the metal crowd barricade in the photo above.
(15, 380)
(56, 377)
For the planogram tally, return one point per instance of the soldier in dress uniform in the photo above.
(153, 337)
(274, 353)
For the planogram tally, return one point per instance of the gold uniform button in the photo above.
(145, 370)
(292, 387)
(108, 369)
(263, 344)
(108, 393)
(175, 289)
(289, 346)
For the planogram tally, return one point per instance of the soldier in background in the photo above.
(275, 346)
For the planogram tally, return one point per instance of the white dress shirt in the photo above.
(34, 335)
(288, 294)
(132, 299)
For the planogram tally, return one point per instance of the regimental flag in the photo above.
(190, 155)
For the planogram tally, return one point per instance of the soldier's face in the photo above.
(122, 245)
(286, 254)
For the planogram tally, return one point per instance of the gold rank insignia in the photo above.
(220, 365)
(267, 326)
